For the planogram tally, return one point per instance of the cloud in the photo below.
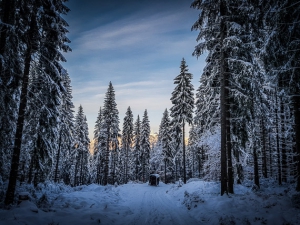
(140, 54)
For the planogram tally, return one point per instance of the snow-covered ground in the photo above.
(196, 202)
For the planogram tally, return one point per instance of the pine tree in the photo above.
(66, 133)
(227, 32)
(111, 127)
(48, 41)
(99, 148)
(10, 79)
(127, 142)
(31, 44)
(137, 148)
(145, 145)
(82, 148)
(165, 141)
(183, 104)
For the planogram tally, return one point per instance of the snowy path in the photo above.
(152, 205)
(141, 204)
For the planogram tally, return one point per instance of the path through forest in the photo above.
(152, 205)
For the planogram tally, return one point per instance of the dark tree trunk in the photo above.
(283, 143)
(199, 165)
(277, 141)
(57, 158)
(228, 139)
(10, 193)
(270, 154)
(81, 169)
(256, 176)
(136, 166)
(223, 97)
(166, 171)
(175, 169)
(126, 165)
(183, 150)
(297, 132)
(106, 159)
(264, 150)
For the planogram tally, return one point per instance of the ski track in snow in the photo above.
(152, 205)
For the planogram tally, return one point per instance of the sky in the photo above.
(138, 46)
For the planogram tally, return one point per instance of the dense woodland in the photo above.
(245, 118)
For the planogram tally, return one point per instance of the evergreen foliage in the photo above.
(145, 146)
(183, 104)
(111, 131)
(81, 173)
(127, 143)
(136, 158)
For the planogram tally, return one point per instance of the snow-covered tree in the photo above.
(145, 145)
(82, 148)
(165, 142)
(111, 131)
(183, 104)
(127, 143)
(99, 149)
(45, 33)
(136, 163)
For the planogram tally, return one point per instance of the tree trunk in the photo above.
(228, 140)
(183, 149)
(270, 154)
(166, 171)
(126, 164)
(256, 176)
(283, 143)
(277, 141)
(81, 168)
(57, 158)
(297, 132)
(264, 150)
(223, 102)
(199, 165)
(10, 193)
(106, 159)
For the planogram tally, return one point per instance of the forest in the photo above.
(244, 117)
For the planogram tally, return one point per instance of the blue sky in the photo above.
(138, 46)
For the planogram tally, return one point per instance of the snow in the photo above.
(156, 175)
(197, 202)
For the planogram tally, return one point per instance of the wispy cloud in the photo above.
(140, 54)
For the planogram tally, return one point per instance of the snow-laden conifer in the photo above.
(165, 140)
(111, 131)
(183, 104)
(127, 143)
(82, 142)
(145, 145)
(136, 154)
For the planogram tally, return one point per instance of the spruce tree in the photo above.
(136, 164)
(165, 141)
(111, 127)
(183, 104)
(82, 148)
(127, 142)
(99, 148)
(145, 145)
